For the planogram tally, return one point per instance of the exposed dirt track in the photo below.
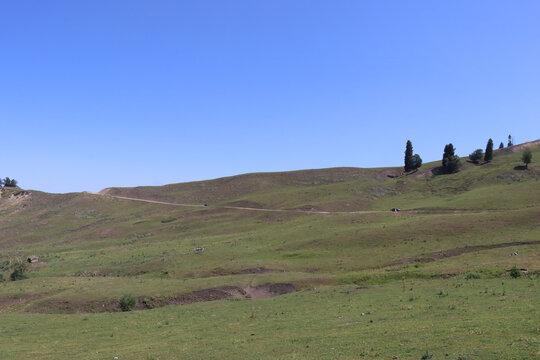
(243, 208)
(439, 255)
(64, 306)
(300, 210)
(151, 201)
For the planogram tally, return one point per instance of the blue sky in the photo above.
(98, 93)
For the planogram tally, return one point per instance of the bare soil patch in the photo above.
(259, 270)
(65, 306)
(268, 290)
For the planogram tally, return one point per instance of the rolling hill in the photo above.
(357, 280)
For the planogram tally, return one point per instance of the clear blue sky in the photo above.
(98, 93)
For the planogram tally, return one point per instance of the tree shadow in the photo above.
(438, 171)
(521, 167)
(480, 163)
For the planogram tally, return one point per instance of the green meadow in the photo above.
(434, 279)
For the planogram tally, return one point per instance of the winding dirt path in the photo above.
(243, 208)
(150, 201)
(438, 211)
(443, 254)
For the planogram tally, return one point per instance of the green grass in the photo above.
(96, 249)
(480, 319)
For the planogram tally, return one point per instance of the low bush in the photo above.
(472, 275)
(127, 302)
(19, 270)
(515, 272)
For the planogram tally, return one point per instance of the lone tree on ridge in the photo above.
(501, 145)
(488, 156)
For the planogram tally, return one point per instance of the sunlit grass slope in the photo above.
(94, 249)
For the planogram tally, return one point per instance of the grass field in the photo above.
(370, 283)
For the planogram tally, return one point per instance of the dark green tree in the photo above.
(8, 182)
(412, 162)
(476, 155)
(417, 161)
(501, 145)
(510, 141)
(526, 157)
(488, 156)
(408, 156)
(450, 162)
(19, 270)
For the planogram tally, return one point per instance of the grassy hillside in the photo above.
(349, 189)
(404, 271)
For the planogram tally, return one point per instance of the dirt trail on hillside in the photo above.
(242, 207)
(439, 255)
(303, 211)
(150, 201)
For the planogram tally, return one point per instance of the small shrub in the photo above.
(127, 302)
(476, 155)
(515, 272)
(427, 355)
(19, 270)
(2, 278)
(526, 157)
(472, 275)
(461, 357)
(17, 275)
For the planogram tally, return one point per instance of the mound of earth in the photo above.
(65, 306)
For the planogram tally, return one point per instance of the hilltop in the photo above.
(349, 189)
(324, 239)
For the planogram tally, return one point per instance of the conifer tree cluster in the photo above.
(7, 182)
(510, 141)
(412, 162)
(450, 161)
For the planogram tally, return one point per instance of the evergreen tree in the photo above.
(510, 141)
(448, 151)
(8, 182)
(409, 156)
(501, 145)
(450, 162)
(488, 156)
